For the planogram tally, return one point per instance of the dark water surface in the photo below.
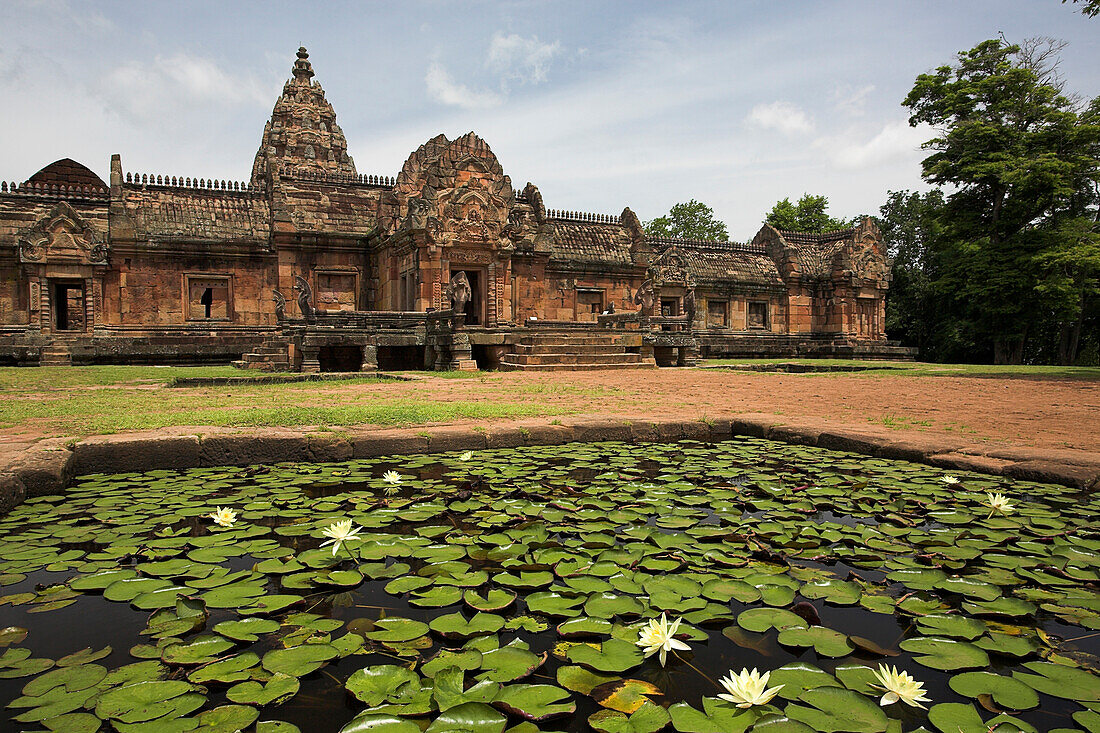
(777, 500)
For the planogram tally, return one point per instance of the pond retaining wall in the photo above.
(49, 466)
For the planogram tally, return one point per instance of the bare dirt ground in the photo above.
(1038, 412)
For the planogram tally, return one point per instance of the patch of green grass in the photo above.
(125, 412)
(27, 379)
(926, 369)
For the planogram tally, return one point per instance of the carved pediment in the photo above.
(670, 268)
(63, 237)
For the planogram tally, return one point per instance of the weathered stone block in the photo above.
(371, 443)
(119, 453)
(45, 468)
(442, 440)
(1052, 472)
(866, 443)
(966, 462)
(548, 434)
(795, 434)
(12, 492)
(592, 431)
(754, 425)
(330, 448)
(247, 448)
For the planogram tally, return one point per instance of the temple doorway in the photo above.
(475, 307)
(68, 305)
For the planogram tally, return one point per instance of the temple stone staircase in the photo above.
(271, 356)
(550, 351)
(56, 354)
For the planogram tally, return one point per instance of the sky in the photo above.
(602, 105)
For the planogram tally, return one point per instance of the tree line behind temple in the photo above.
(1000, 261)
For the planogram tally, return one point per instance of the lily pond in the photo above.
(614, 587)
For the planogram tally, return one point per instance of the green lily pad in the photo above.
(762, 619)
(383, 683)
(278, 689)
(298, 661)
(826, 642)
(1007, 692)
(837, 709)
(945, 654)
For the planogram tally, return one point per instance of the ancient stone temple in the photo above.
(312, 265)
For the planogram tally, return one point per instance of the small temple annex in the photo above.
(312, 266)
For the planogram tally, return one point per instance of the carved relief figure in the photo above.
(644, 297)
(280, 304)
(689, 306)
(305, 295)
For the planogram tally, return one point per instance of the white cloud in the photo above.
(169, 82)
(446, 90)
(514, 57)
(782, 116)
(850, 99)
(896, 140)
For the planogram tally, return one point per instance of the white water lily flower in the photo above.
(392, 477)
(223, 516)
(748, 688)
(899, 686)
(466, 456)
(999, 504)
(949, 480)
(657, 636)
(339, 533)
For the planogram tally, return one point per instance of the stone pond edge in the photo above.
(50, 465)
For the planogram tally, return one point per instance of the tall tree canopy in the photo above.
(1021, 157)
(693, 220)
(808, 215)
(1090, 8)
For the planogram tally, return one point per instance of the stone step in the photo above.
(581, 340)
(505, 366)
(253, 358)
(566, 358)
(571, 348)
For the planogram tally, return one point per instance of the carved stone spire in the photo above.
(302, 135)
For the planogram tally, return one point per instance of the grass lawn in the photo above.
(924, 369)
(93, 400)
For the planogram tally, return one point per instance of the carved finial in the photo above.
(303, 70)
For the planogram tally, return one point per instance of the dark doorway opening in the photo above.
(207, 300)
(340, 358)
(487, 358)
(68, 306)
(475, 307)
(400, 358)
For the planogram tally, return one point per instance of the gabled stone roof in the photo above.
(200, 214)
(711, 262)
(591, 243)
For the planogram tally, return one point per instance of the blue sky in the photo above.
(600, 104)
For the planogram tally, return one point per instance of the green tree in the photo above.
(1090, 8)
(1015, 150)
(808, 215)
(693, 220)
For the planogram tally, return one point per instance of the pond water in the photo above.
(505, 590)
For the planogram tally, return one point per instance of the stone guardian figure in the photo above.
(280, 304)
(305, 295)
(459, 292)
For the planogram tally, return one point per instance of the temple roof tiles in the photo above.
(591, 243)
(66, 172)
